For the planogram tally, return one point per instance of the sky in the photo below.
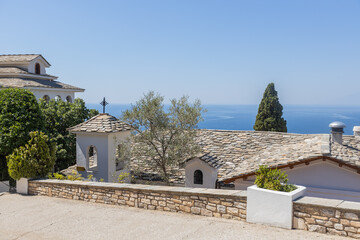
(221, 52)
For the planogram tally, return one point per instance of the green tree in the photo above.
(269, 117)
(35, 159)
(19, 115)
(59, 116)
(165, 137)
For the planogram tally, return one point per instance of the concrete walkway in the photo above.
(34, 217)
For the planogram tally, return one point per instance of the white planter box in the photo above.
(270, 207)
(22, 186)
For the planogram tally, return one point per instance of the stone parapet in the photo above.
(198, 201)
(330, 216)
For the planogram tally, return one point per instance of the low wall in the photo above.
(331, 216)
(199, 201)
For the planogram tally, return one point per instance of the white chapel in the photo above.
(28, 71)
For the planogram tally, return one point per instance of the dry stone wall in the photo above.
(207, 202)
(330, 216)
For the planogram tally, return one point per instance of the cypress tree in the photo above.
(269, 117)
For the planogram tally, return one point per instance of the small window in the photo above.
(46, 98)
(122, 156)
(198, 177)
(92, 157)
(57, 98)
(69, 99)
(37, 68)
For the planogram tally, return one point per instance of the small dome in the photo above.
(337, 124)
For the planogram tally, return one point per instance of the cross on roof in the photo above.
(104, 103)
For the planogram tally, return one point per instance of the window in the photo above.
(198, 177)
(92, 157)
(122, 156)
(46, 98)
(37, 68)
(57, 98)
(69, 99)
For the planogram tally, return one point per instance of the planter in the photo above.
(270, 207)
(22, 186)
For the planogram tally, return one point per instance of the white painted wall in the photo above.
(52, 93)
(105, 144)
(322, 179)
(31, 66)
(209, 174)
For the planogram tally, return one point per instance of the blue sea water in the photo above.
(300, 119)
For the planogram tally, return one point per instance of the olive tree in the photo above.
(164, 138)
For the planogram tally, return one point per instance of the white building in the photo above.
(101, 144)
(28, 71)
(327, 164)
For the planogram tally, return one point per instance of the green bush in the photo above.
(59, 116)
(35, 159)
(19, 115)
(273, 179)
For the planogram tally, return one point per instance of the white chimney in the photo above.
(356, 130)
(337, 130)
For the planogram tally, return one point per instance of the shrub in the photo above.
(273, 179)
(35, 159)
(19, 115)
(75, 176)
(122, 177)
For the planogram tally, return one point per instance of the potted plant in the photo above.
(269, 201)
(35, 159)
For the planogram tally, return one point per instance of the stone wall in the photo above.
(330, 216)
(207, 202)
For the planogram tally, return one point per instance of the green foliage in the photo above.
(19, 115)
(35, 159)
(75, 176)
(90, 177)
(59, 116)
(122, 177)
(57, 176)
(166, 137)
(269, 117)
(101, 180)
(273, 179)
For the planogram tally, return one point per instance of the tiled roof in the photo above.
(28, 83)
(237, 153)
(102, 123)
(18, 57)
(13, 71)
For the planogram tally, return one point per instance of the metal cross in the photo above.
(104, 103)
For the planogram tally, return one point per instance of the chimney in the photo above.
(337, 130)
(356, 130)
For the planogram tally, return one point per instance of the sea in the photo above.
(299, 118)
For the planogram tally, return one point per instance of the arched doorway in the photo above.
(198, 177)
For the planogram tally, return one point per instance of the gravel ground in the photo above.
(36, 217)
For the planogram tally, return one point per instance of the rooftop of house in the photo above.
(240, 153)
(101, 123)
(34, 83)
(14, 58)
(15, 74)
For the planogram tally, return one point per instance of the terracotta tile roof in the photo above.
(102, 123)
(28, 83)
(19, 57)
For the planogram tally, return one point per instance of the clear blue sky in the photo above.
(222, 52)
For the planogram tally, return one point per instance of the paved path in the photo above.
(35, 217)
